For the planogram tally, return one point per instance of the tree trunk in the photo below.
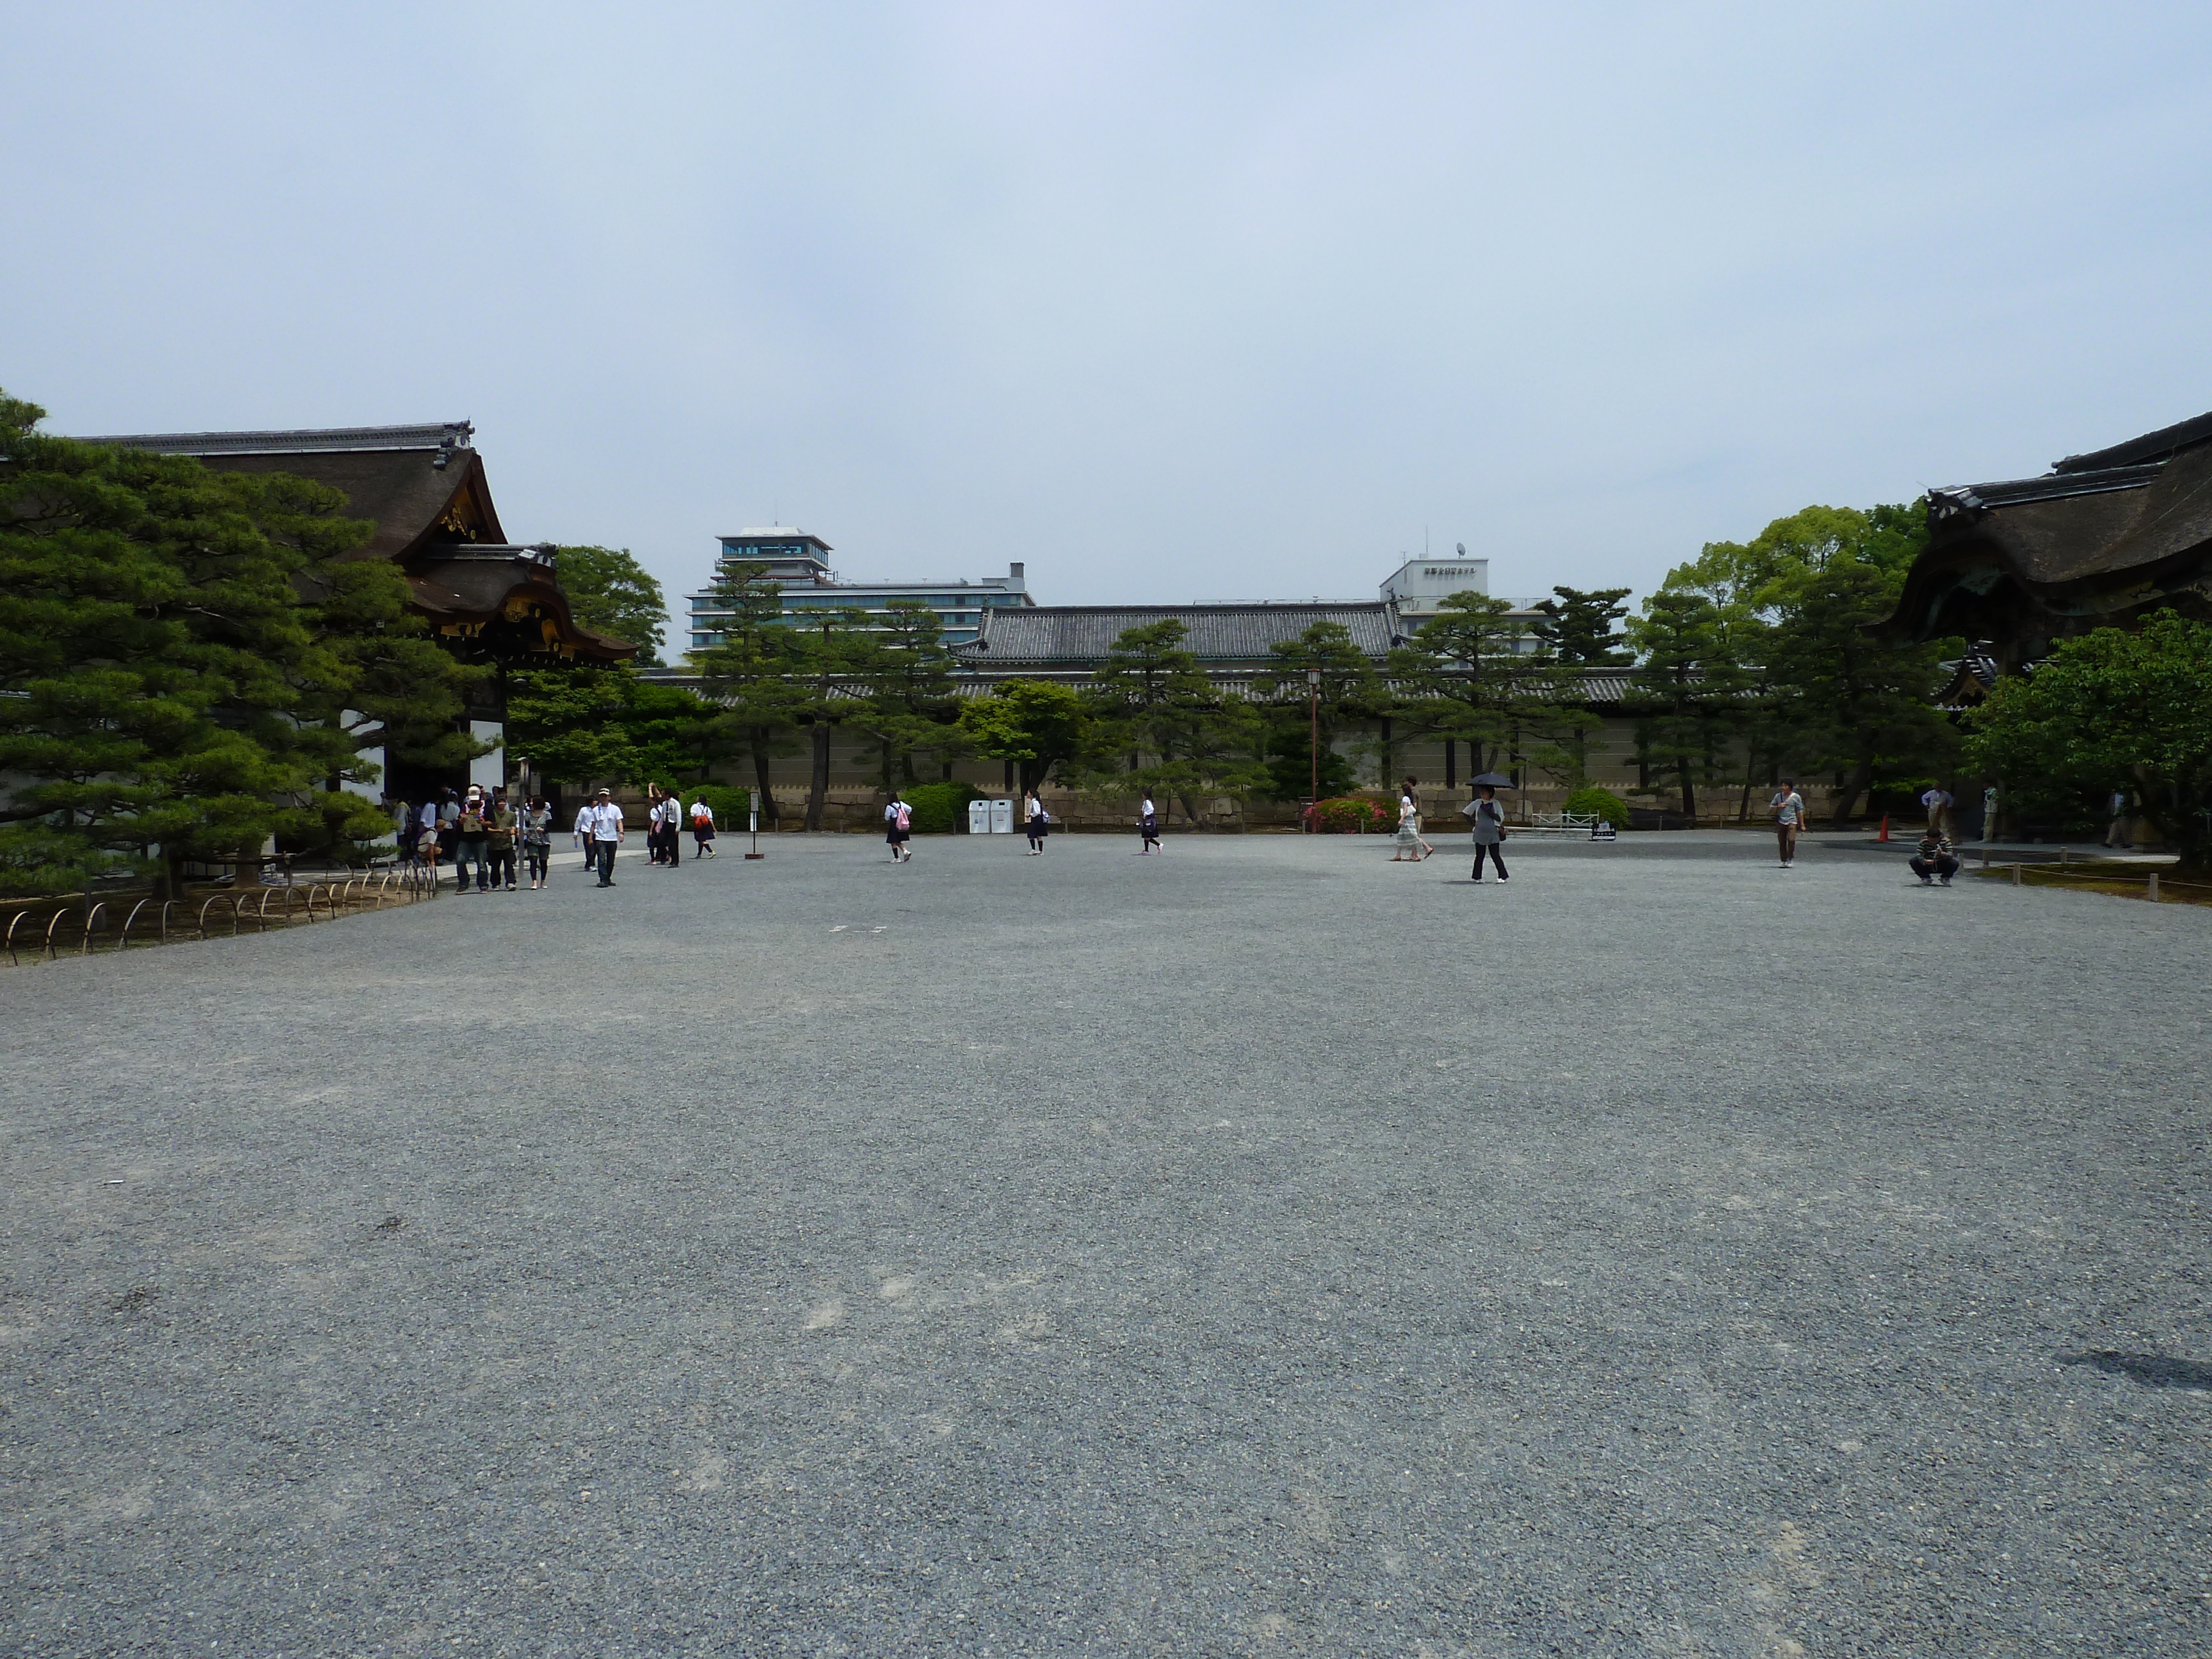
(1689, 793)
(818, 789)
(1861, 779)
(1188, 810)
(759, 780)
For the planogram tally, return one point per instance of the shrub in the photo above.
(732, 808)
(1589, 799)
(940, 809)
(1350, 815)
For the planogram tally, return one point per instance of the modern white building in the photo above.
(1419, 587)
(800, 561)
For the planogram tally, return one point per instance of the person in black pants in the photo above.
(1934, 858)
(1489, 820)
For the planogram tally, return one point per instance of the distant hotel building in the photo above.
(801, 562)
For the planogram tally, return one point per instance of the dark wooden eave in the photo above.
(425, 489)
(2103, 537)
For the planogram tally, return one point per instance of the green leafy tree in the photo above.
(1350, 690)
(188, 663)
(1179, 733)
(1686, 672)
(830, 654)
(1862, 706)
(756, 673)
(906, 671)
(2113, 709)
(1580, 627)
(590, 724)
(611, 592)
(1464, 677)
(1792, 611)
(1039, 725)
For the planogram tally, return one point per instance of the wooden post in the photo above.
(2016, 875)
(2153, 887)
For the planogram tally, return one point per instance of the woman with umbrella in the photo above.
(1488, 818)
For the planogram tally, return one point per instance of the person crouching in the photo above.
(1934, 858)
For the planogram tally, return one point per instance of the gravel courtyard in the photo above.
(1258, 1248)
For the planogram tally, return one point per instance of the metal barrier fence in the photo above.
(78, 924)
(2047, 872)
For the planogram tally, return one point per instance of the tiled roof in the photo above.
(447, 434)
(1073, 635)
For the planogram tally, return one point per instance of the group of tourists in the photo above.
(665, 820)
(601, 830)
(480, 830)
(486, 832)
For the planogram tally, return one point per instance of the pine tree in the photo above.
(906, 671)
(753, 674)
(1156, 705)
(1464, 675)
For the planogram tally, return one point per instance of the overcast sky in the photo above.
(1172, 302)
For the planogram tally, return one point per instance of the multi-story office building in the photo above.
(1419, 587)
(801, 562)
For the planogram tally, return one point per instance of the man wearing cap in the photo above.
(606, 823)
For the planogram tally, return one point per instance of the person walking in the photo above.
(2120, 832)
(898, 827)
(672, 829)
(607, 827)
(1489, 821)
(703, 829)
(582, 833)
(1035, 820)
(1788, 815)
(425, 849)
(449, 832)
(536, 832)
(1148, 825)
(1410, 843)
(475, 827)
(501, 825)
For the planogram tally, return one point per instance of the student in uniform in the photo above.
(1148, 826)
(898, 827)
(1037, 820)
(703, 828)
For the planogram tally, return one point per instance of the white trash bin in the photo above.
(1002, 817)
(979, 818)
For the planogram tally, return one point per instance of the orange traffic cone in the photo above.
(1884, 835)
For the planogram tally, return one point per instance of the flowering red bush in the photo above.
(1350, 815)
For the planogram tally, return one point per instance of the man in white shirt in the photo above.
(1937, 800)
(606, 823)
(1788, 813)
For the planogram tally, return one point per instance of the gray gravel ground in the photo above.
(1258, 1248)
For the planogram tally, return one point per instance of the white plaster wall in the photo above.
(489, 770)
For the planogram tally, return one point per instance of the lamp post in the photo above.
(1313, 693)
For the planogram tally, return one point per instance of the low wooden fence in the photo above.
(79, 924)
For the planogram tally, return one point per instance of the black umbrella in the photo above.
(1495, 780)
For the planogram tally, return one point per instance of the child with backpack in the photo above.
(899, 816)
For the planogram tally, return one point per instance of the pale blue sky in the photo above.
(1172, 302)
